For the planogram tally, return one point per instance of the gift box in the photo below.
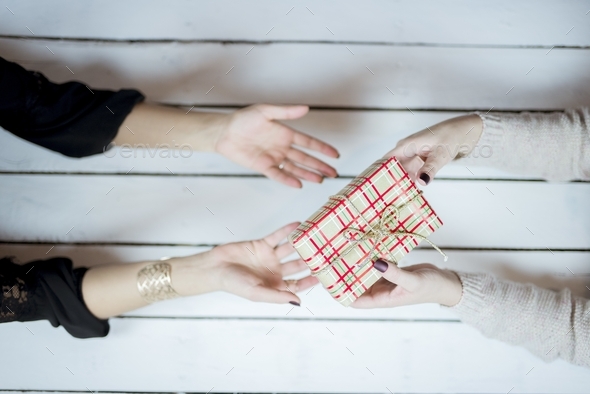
(380, 214)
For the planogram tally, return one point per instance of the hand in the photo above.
(253, 269)
(424, 153)
(253, 139)
(417, 284)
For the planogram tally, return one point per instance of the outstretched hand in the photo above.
(424, 153)
(253, 269)
(254, 139)
(417, 284)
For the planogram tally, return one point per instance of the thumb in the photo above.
(435, 160)
(266, 294)
(396, 275)
(282, 111)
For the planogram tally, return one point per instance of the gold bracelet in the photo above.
(154, 283)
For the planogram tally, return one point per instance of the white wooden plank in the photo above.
(542, 268)
(464, 22)
(277, 356)
(320, 74)
(360, 136)
(149, 209)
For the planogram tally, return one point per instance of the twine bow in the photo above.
(378, 234)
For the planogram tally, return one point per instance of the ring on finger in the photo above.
(292, 285)
(282, 165)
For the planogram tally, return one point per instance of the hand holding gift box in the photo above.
(380, 214)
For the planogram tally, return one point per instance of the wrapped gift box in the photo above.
(380, 214)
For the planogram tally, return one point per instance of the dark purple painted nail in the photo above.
(381, 266)
(425, 177)
(294, 303)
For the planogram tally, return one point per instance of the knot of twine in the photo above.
(379, 234)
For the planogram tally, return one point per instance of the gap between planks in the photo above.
(33, 391)
(294, 42)
(453, 248)
(222, 106)
(238, 175)
(288, 319)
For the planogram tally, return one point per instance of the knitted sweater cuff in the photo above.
(473, 300)
(490, 147)
(493, 130)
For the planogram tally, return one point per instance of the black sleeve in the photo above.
(68, 118)
(50, 290)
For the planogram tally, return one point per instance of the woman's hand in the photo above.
(253, 269)
(417, 284)
(424, 153)
(253, 139)
(250, 137)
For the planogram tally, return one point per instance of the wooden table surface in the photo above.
(373, 72)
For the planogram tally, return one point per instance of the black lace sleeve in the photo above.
(50, 290)
(69, 118)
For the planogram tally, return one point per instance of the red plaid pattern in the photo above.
(321, 243)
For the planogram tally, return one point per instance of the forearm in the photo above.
(111, 290)
(156, 126)
(554, 146)
(549, 324)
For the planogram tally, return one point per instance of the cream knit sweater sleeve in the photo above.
(553, 146)
(550, 324)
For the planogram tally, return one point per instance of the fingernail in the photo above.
(425, 177)
(294, 303)
(381, 266)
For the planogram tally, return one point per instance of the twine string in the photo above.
(378, 234)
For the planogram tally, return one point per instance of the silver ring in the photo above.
(292, 285)
(282, 165)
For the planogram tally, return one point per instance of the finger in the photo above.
(376, 296)
(309, 142)
(384, 300)
(307, 282)
(411, 165)
(435, 160)
(417, 267)
(274, 238)
(282, 111)
(362, 303)
(302, 173)
(411, 146)
(293, 267)
(302, 284)
(284, 250)
(309, 161)
(265, 294)
(396, 275)
(406, 154)
(404, 149)
(365, 302)
(284, 177)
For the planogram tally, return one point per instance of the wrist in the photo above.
(473, 128)
(462, 134)
(207, 128)
(477, 124)
(453, 289)
(195, 274)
